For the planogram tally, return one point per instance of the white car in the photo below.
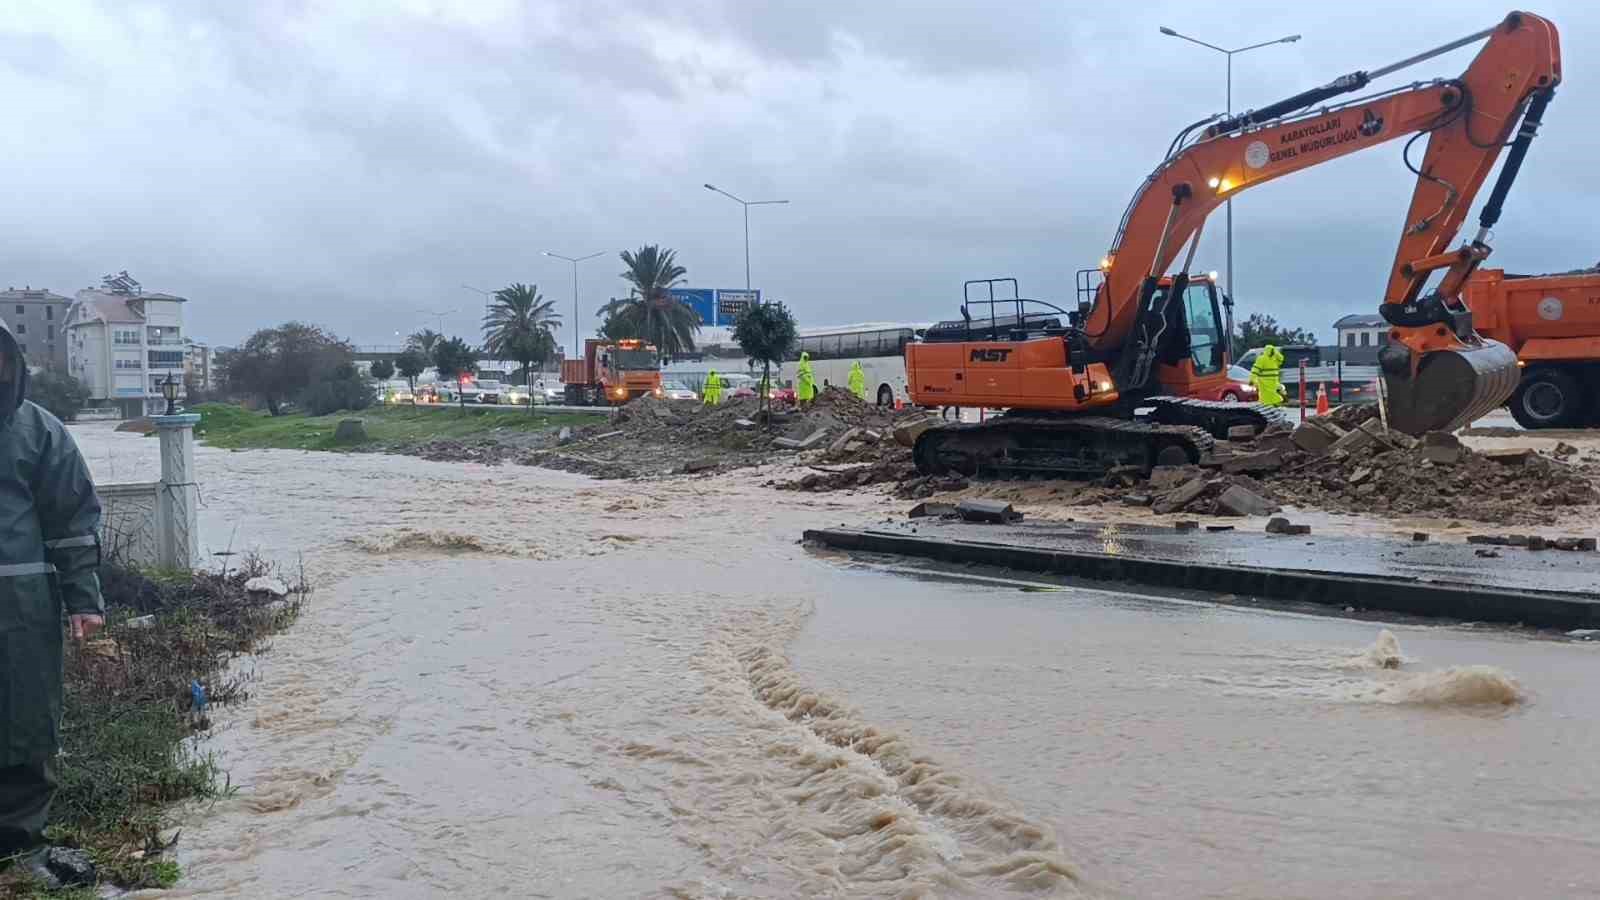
(487, 391)
(677, 390)
(517, 396)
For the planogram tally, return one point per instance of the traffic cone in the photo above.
(1322, 400)
(899, 404)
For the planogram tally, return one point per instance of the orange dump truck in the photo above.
(1552, 323)
(611, 372)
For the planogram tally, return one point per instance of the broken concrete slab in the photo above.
(1441, 448)
(1564, 449)
(1238, 501)
(745, 424)
(1137, 499)
(1241, 433)
(906, 433)
(1253, 463)
(704, 463)
(1353, 442)
(1312, 438)
(1510, 456)
(805, 443)
(1280, 525)
(843, 439)
(1568, 544)
(931, 509)
(1180, 496)
(1167, 477)
(993, 511)
(1360, 475)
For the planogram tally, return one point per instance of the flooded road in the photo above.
(513, 681)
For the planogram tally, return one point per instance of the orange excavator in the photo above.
(1105, 387)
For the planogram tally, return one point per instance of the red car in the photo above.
(1237, 389)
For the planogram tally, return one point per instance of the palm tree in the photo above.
(520, 326)
(425, 340)
(649, 311)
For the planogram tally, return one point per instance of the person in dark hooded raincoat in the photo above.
(49, 553)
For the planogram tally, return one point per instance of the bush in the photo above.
(327, 397)
(59, 393)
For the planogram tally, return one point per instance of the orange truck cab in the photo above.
(1552, 324)
(611, 373)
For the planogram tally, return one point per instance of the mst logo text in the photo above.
(991, 354)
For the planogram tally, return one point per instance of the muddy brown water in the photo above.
(525, 683)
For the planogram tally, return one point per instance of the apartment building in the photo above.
(123, 342)
(37, 318)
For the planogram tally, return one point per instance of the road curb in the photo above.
(1366, 592)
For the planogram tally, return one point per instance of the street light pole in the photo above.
(746, 204)
(576, 353)
(1229, 54)
(438, 314)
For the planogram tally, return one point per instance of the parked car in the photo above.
(677, 390)
(488, 391)
(1237, 389)
(517, 396)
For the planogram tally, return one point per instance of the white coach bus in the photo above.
(879, 346)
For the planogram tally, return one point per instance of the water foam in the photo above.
(1455, 686)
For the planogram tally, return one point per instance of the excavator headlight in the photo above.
(1225, 186)
(1102, 386)
(1105, 263)
(1213, 182)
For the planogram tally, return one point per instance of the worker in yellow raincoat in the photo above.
(713, 392)
(1267, 375)
(858, 380)
(805, 380)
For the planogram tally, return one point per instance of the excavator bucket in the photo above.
(1451, 388)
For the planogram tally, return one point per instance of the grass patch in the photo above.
(235, 428)
(130, 730)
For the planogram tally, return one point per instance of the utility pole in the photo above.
(746, 204)
(576, 352)
(1229, 54)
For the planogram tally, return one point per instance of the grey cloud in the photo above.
(353, 163)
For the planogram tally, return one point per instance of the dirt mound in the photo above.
(651, 436)
(1369, 469)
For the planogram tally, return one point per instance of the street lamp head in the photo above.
(1168, 31)
(711, 187)
(1290, 39)
(548, 253)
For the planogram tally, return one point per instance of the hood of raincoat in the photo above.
(14, 375)
(804, 356)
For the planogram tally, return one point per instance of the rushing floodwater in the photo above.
(519, 682)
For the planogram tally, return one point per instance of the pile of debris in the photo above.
(1350, 462)
(733, 434)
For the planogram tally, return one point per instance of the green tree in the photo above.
(343, 387)
(382, 369)
(455, 359)
(425, 340)
(59, 393)
(1259, 330)
(649, 311)
(766, 333)
(409, 364)
(520, 325)
(280, 364)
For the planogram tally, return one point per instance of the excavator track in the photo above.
(1020, 445)
(1216, 418)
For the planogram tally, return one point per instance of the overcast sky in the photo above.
(352, 164)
